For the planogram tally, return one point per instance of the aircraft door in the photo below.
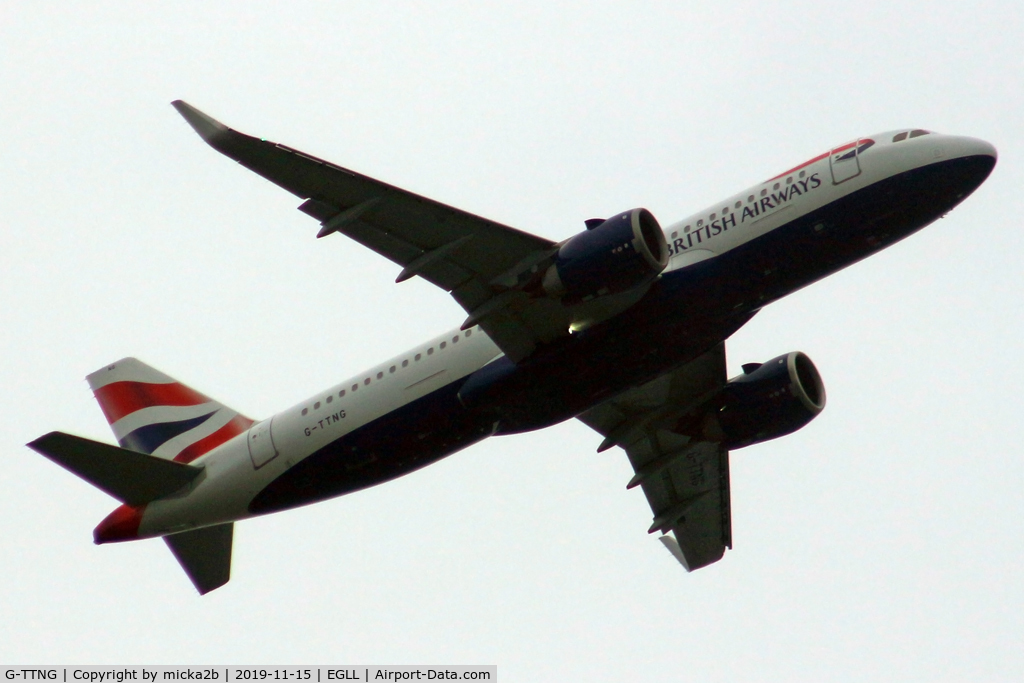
(261, 443)
(845, 162)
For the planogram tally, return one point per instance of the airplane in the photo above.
(622, 326)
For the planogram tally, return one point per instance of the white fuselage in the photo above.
(235, 472)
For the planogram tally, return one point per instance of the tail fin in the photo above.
(205, 555)
(152, 413)
(161, 425)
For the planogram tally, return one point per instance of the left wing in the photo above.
(477, 260)
(683, 473)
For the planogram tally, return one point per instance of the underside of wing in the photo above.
(464, 254)
(683, 471)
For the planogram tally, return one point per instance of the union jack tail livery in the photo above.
(154, 414)
(156, 419)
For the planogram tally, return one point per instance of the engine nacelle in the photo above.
(622, 253)
(767, 401)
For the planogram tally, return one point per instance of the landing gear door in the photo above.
(845, 162)
(261, 443)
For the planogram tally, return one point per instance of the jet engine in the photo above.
(767, 401)
(622, 253)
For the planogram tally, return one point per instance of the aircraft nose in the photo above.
(973, 147)
(964, 164)
(979, 155)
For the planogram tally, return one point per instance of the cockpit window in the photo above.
(916, 133)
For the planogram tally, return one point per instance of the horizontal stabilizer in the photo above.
(205, 555)
(132, 478)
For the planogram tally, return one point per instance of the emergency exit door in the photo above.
(261, 443)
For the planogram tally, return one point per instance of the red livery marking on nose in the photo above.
(849, 145)
(120, 525)
(809, 162)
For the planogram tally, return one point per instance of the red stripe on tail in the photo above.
(236, 426)
(118, 399)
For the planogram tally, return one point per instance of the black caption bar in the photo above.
(230, 674)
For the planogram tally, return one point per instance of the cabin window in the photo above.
(675, 234)
(775, 186)
(430, 351)
(803, 173)
(750, 198)
(455, 339)
(355, 387)
(418, 356)
(899, 137)
(918, 133)
(700, 222)
(305, 411)
(713, 216)
(444, 344)
(316, 406)
(366, 381)
(391, 369)
(341, 393)
(764, 193)
(380, 375)
(405, 363)
(789, 180)
(739, 204)
(686, 229)
(330, 398)
(469, 332)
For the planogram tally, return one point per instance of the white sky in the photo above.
(883, 542)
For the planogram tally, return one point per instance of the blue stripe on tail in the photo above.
(148, 438)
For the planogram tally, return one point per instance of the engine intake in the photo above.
(622, 253)
(768, 401)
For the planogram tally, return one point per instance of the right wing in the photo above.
(479, 261)
(683, 471)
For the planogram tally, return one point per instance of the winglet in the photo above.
(209, 129)
(672, 545)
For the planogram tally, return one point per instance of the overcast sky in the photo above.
(884, 541)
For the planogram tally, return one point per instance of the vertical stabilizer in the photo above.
(152, 413)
